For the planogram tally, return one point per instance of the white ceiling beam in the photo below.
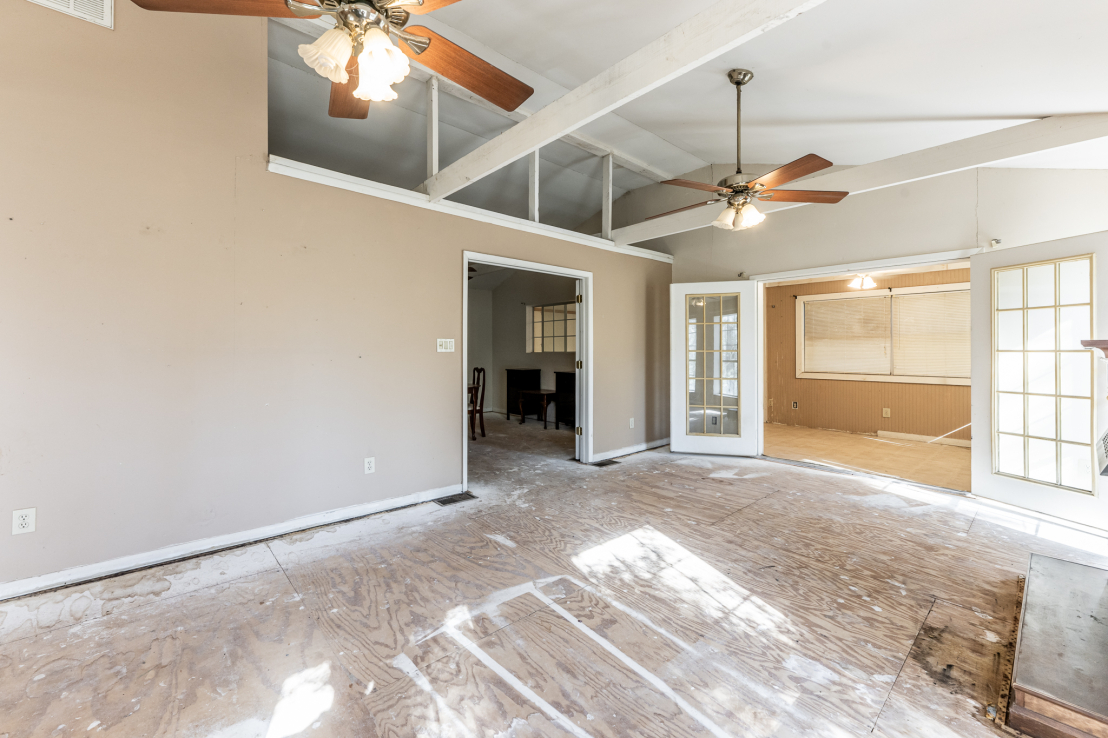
(533, 163)
(432, 126)
(968, 153)
(606, 203)
(710, 33)
(581, 140)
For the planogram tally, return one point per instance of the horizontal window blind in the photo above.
(931, 334)
(848, 336)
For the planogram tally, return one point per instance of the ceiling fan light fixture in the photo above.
(726, 219)
(380, 65)
(329, 54)
(750, 216)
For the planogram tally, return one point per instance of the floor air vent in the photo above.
(455, 499)
(606, 462)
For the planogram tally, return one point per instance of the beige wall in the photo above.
(920, 409)
(193, 346)
(509, 332)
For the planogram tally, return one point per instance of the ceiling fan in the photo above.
(358, 55)
(740, 193)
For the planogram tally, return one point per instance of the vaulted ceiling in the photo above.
(853, 80)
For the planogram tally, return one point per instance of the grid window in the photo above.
(713, 364)
(1042, 376)
(554, 328)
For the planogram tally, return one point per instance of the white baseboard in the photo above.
(89, 572)
(924, 439)
(605, 455)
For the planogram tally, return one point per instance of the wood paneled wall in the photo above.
(921, 409)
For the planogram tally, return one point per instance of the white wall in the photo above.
(1074, 506)
(964, 210)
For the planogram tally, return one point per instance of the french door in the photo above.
(714, 402)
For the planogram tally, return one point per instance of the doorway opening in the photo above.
(870, 372)
(525, 346)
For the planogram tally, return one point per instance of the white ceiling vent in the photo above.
(95, 11)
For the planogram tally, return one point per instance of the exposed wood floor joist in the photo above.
(666, 595)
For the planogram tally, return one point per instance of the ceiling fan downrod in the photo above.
(739, 77)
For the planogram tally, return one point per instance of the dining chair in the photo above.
(477, 403)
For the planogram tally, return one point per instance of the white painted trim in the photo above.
(318, 175)
(711, 33)
(584, 347)
(835, 270)
(616, 453)
(124, 564)
(925, 439)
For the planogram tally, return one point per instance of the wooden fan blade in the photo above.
(265, 8)
(802, 167)
(343, 104)
(429, 6)
(471, 72)
(695, 185)
(681, 210)
(822, 196)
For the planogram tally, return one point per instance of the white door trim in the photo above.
(939, 257)
(751, 410)
(584, 411)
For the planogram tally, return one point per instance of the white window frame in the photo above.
(802, 300)
(995, 391)
(529, 347)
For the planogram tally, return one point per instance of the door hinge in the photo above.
(578, 430)
(579, 298)
(580, 365)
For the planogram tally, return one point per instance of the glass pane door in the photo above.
(712, 364)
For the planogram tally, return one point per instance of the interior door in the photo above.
(714, 343)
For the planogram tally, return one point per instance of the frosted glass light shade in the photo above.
(380, 65)
(726, 219)
(750, 215)
(329, 55)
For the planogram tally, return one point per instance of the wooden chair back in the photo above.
(479, 380)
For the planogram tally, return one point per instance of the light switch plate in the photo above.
(446, 345)
(23, 521)
(886, 412)
(370, 464)
(632, 422)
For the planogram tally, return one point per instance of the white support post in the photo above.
(432, 126)
(533, 186)
(606, 204)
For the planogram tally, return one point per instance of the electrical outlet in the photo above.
(886, 412)
(371, 465)
(23, 521)
(796, 405)
(446, 345)
(632, 422)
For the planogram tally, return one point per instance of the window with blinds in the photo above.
(913, 335)
(847, 336)
(931, 334)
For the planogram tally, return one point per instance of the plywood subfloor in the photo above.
(936, 464)
(666, 596)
